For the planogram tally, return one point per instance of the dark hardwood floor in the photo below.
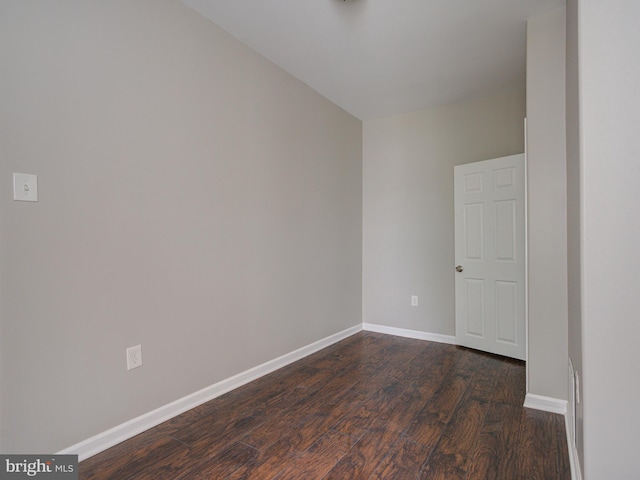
(370, 407)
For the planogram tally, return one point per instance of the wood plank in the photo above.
(294, 418)
(483, 385)
(539, 446)
(511, 383)
(561, 457)
(405, 460)
(430, 423)
(462, 432)
(394, 406)
(319, 458)
(268, 463)
(495, 452)
(365, 456)
(452, 456)
(222, 464)
(163, 458)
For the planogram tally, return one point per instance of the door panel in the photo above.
(505, 212)
(473, 227)
(475, 307)
(490, 248)
(506, 311)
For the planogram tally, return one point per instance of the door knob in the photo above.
(459, 268)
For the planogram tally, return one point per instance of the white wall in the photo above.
(609, 75)
(194, 198)
(547, 203)
(408, 225)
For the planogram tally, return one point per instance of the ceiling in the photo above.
(376, 58)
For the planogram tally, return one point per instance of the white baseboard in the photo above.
(120, 433)
(574, 460)
(402, 332)
(546, 404)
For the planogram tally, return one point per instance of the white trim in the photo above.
(574, 460)
(526, 258)
(122, 432)
(571, 405)
(402, 332)
(546, 404)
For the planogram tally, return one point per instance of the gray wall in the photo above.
(547, 227)
(194, 198)
(609, 175)
(408, 226)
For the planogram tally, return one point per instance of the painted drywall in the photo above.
(574, 277)
(194, 198)
(408, 224)
(609, 75)
(547, 203)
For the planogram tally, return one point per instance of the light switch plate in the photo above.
(25, 187)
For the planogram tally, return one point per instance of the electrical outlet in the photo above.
(134, 357)
(414, 300)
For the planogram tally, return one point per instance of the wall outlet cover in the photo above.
(134, 357)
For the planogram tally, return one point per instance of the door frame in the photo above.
(526, 258)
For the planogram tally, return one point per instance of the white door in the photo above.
(490, 256)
